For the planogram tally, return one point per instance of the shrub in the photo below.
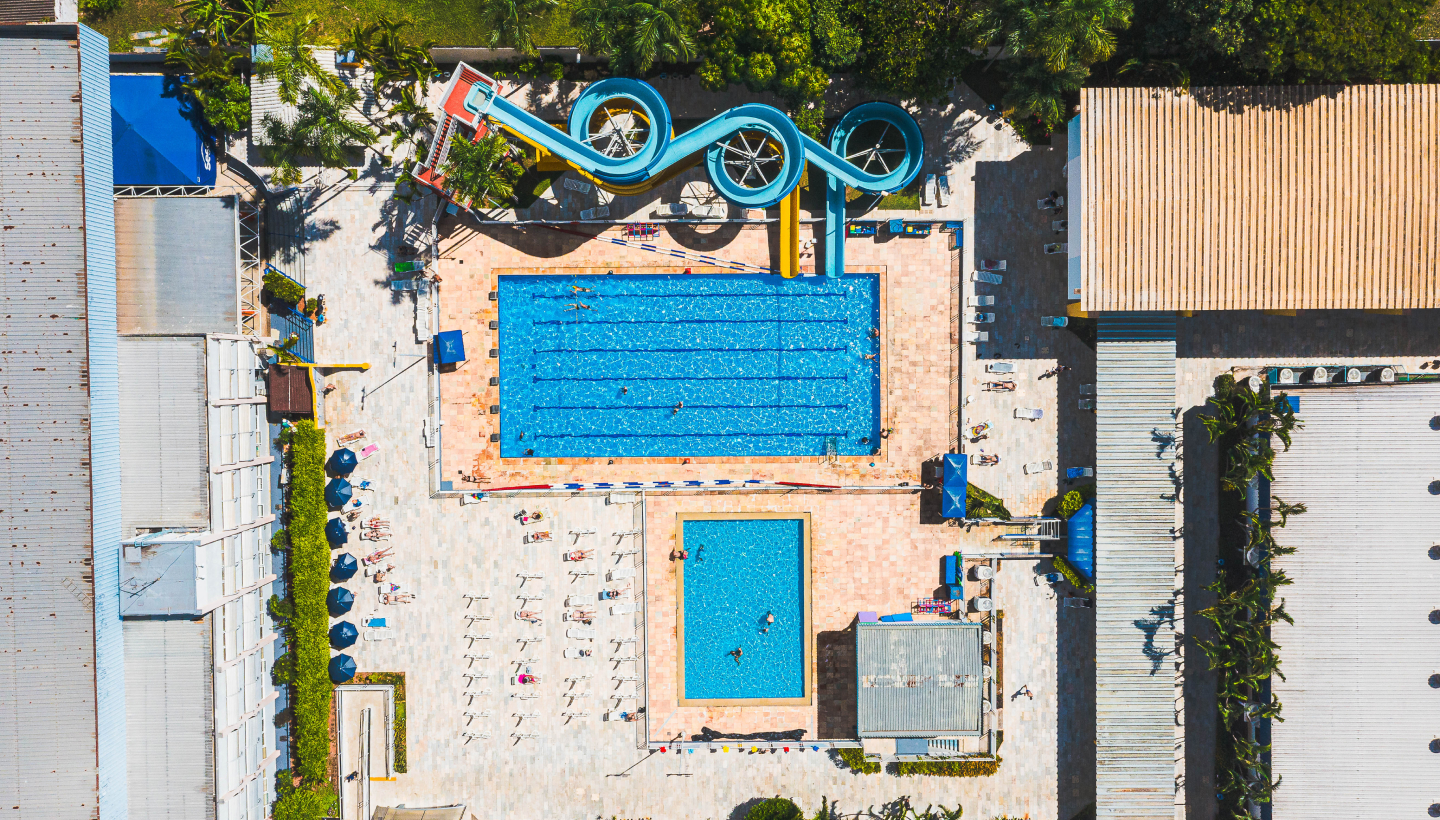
(282, 672)
(309, 584)
(302, 802)
(854, 759)
(776, 808)
(283, 289)
(1072, 574)
(980, 504)
(949, 768)
(281, 609)
(1072, 501)
(97, 9)
(279, 540)
(396, 679)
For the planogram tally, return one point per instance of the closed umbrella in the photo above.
(339, 601)
(342, 668)
(338, 492)
(343, 634)
(343, 461)
(335, 531)
(345, 568)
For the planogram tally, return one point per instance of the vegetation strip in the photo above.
(1243, 654)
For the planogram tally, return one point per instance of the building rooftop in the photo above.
(918, 679)
(1283, 197)
(178, 265)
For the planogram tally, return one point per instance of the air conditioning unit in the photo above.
(1383, 375)
(1320, 375)
(1354, 375)
(1285, 375)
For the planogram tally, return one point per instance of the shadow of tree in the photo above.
(835, 683)
(1159, 616)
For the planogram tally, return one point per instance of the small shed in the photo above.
(918, 679)
(289, 390)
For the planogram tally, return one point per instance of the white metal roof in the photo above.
(918, 679)
(163, 433)
(169, 718)
(1359, 706)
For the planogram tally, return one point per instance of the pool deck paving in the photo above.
(874, 551)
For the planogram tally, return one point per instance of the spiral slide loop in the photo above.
(620, 132)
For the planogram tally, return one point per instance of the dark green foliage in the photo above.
(323, 131)
(948, 768)
(765, 45)
(980, 504)
(637, 34)
(1067, 569)
(854, 760)
(306, 802)
(280, 609)
(776, 808)
(100, 8)
(309, 584)
(282, 672)
(396, 679)
(1072, 501)
(836, 44)
(279, 540)
(284, 289)
(212, 76)
(482, 173)
(914, 48)
(512, 23)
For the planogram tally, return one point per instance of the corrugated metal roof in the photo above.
(170, 719)
(48, 756)
(1248, 198)
(179, 265)
(265, 95)
(1360, 709)
(918, 679)
(1135, 568)
(164, 439)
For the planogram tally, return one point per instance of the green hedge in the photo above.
(283, 288)
(1071, 502)
(396, 679)
(309, 584)
(302, 802)
(1072, 574)
(776, 808)
(948, 768)
(854, 759)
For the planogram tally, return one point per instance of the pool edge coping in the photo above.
(808, 698)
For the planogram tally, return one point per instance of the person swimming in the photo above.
(578, 289)
(578, 306)
(736, 653)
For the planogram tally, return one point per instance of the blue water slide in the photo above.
(717, 138)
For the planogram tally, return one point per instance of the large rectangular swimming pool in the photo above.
(741, 572)
(677, 365)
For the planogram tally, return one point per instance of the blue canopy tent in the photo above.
(343, 634)
(335, 532)
(956, 483)
(449, 347)
(338, 492)
(157, 133)
(345, 567)
(342, 462)
(339, 601)
(342, 668)
(1080, 540)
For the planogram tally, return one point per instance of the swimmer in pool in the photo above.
(736, 653)
(578, 289)
(578, 306)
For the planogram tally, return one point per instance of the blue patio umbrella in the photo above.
(343, 634)
(342, 668)
(342, 461)
(335, 532)
(345, 567)
(338, 492)
(339, 601)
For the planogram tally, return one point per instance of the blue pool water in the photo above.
(739, 571)
(764, 366)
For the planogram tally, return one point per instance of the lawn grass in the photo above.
(447, 22)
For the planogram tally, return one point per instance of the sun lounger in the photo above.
(525, 735)
(473, 715)
(576, 185)
(576, 715)
(476, 735)
(927, 193)
(370, 450)
(350, 438)
(1057, 247)
(620, 574)
(1087, 389)
(1081, 603)
(1086, 404)
(1079, 472)
(980, 301)
(623, 609)
(975, 337)
(475, 596)
(1039, 467)
(1054, 321)
(999, 367)
(576, 653)
(990, 264)
(579, 600)
(483, 656)
(574, 696)
(470, 636)
(626, 678)
(1030, 413)
(944, 190)
(595, 213)
(987, 278)
(1060, 225)
(580, 634)
(981, 319)
(382, 634)
(625, 659)
(984, 459)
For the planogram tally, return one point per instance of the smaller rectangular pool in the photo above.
(743, 570)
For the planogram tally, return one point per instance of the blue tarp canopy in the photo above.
(1080, 540)
(449, 347)
(956, 482)
(158, 133)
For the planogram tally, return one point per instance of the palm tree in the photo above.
(213, 17)
(358, 38)
(322, 131)
(480, 172)
(252, 17)
(291, 62)
(660, 32)
(212, 78)
(512, 22)
(1079, 32)
(1037, 92)
(600, 24)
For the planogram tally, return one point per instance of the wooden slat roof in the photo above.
(1251, 198)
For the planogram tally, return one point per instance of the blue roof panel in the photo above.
(158, 133)
(1080, 539)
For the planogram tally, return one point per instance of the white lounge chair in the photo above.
(975, 337)
(577, 185)
(980, 301)
(707, 211)
(984, 459)
(987, 278)
(1030, 413)
(576, 653)
(579, 600)
(673, 209)
(626, 678)
(476, 736)
(1039, 467)
(999, 367)
(990, 264)
(1057, 247)
(476, 596)
(944, 190)
(379, 634)
(622, 498)
(620, 574)
(981, 319)
(1060, 225)
(1087, 389)
(927, 194)
(595, 213)
(623, 609)
(1054, 321)
(580, 634)
(576, 715)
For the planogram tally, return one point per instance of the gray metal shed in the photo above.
(178, 265)
(918, 679)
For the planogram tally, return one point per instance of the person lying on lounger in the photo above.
(579, 555)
